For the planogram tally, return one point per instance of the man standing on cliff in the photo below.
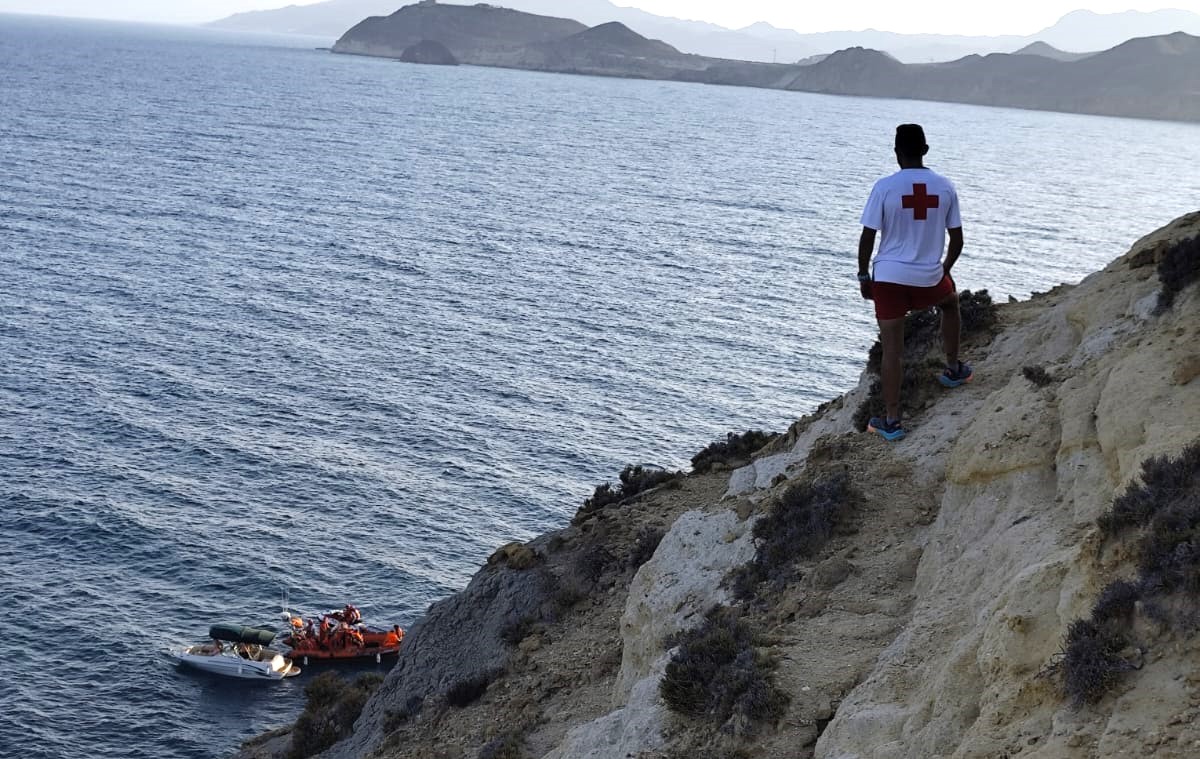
(914, 209)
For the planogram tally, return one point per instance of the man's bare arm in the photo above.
(954, 250)
(866, 246)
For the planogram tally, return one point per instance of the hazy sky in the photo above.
(945, 16)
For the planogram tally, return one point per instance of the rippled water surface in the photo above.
(272, 317)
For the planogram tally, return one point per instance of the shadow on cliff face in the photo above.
(1162, 513)
(923, 356)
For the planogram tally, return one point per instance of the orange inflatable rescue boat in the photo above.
(340, 636)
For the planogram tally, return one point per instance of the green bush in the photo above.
(333, 706)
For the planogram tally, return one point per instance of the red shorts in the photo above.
(893, 301)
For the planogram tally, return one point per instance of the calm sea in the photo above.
(273, 318)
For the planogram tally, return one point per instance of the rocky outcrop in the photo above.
(1012, 558)
(473, 34)
(674, 590)
(458, 644)
(491, 36)
(931, 623)
(429, 52)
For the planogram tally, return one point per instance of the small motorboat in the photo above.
(237, 651)
(339, 636)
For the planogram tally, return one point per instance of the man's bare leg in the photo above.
(891, 336)
(951, 329)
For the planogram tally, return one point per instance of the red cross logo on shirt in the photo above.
(920, 202)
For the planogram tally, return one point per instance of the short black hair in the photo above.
(910, 140)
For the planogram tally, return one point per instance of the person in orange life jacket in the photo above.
(914, 209)
(323, 633)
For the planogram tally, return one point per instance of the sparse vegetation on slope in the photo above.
(734, 450)
(1180, 267)
(634, 480)
(507, 746)
(333, 706)
(1165, 507)
(798, 527)
(1037, 375)
(718, 672)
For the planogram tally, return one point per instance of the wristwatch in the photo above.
(864, 277)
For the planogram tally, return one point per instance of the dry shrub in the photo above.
(645, 545)
(466, 692)
(508, 746)
(1164, 508)
(334, 704)
(798, 527)
(1038, 376)
(635, 480)
(1092, 660)
(1179, 267)
(718, 673)
(734, 450)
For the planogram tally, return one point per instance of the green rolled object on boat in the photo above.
(242, 634)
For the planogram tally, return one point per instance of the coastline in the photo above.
(556, 648)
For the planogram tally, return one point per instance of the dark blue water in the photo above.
(272, 318)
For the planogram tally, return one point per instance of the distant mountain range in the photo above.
(1080, 31)
(1151, 77)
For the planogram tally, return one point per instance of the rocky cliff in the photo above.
(951, 595)
(473, 34)
(490, 36)
(1151, 77)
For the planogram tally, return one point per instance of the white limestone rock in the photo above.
(761, 473)
(635, 728)
(677, 586)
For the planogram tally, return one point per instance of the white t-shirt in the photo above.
(913, 208)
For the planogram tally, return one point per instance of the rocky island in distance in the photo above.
(1152, 77)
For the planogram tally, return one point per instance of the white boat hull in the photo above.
(264, 665)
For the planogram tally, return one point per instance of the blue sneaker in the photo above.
(958, 376)
(889, 430)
